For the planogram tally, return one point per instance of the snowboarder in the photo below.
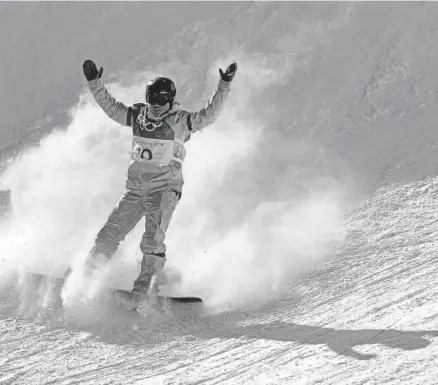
(154, 179)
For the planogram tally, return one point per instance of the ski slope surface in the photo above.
(308, 220)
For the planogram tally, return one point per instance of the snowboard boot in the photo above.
(146, 285)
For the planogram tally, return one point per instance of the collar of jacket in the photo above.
(175, 108)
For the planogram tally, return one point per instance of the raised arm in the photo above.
(208, 114)
(114, 109)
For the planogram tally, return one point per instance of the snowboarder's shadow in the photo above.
(341, 341)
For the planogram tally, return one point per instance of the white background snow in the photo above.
(308, 219)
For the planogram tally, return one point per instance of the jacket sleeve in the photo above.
(114, 109)
(196, 121)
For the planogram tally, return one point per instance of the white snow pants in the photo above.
(157, 208)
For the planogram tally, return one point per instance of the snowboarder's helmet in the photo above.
(160, 91)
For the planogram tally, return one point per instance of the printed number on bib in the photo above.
(153, 151)
(145, 153)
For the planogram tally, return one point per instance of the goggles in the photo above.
(160, 99)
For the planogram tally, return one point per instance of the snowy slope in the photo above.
(307, 222)
(370, 316)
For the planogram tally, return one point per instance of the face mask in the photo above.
(159, 103)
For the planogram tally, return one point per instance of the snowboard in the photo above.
(125, 296)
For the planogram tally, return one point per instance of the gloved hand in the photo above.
(90, 70)
(229, 73)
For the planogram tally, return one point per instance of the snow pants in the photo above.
(157, 208)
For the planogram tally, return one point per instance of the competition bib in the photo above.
(157, 152)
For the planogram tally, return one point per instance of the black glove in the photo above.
(229, 73)
(90, 70)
